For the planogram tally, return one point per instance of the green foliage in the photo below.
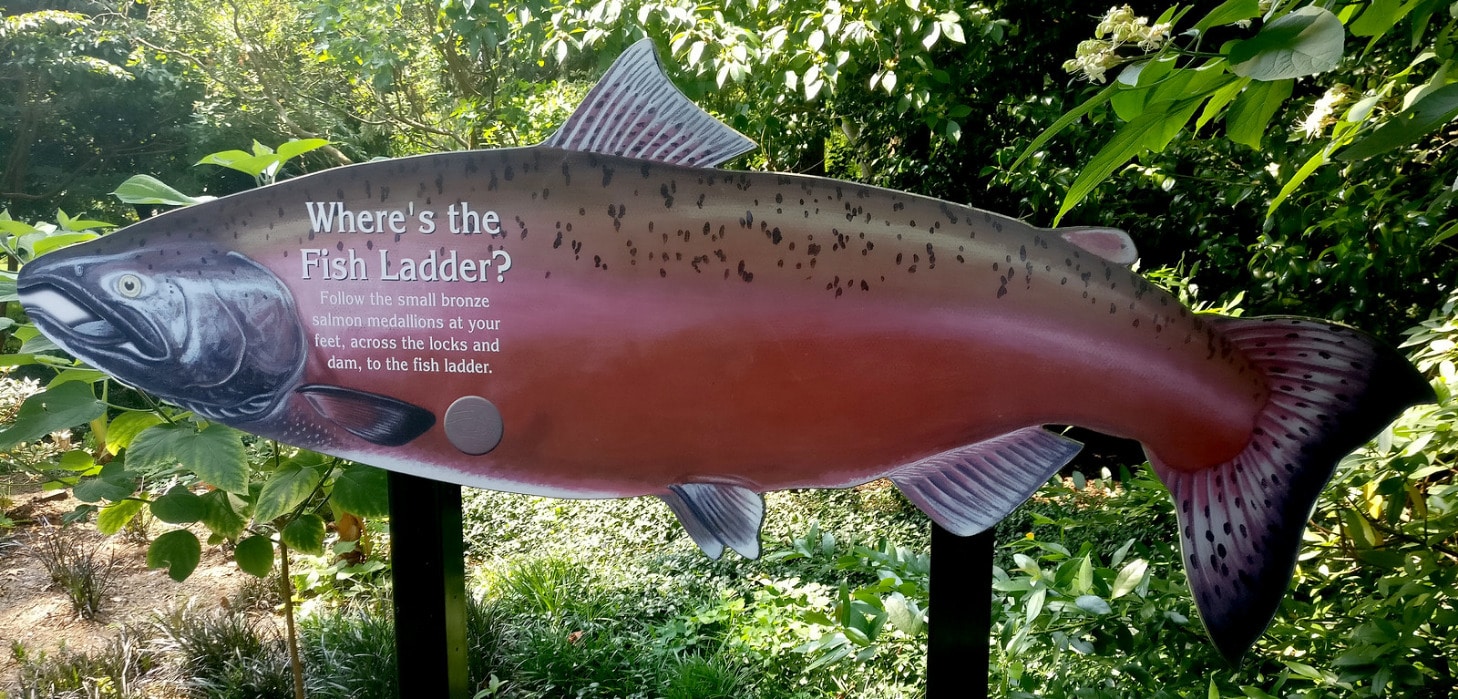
(53, 410)
(178, 551)
(118, 670)
(226, 654)
(1352, 203)
(81, 572)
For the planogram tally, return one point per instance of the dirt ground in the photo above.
(34, 612)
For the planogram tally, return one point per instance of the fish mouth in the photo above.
(76, 322)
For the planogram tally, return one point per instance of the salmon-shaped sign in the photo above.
(607, 315)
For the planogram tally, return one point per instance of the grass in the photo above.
(119, 670)
(80, 570)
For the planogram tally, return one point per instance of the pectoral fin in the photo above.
(718, 515)
(971, 488)
(372, 417)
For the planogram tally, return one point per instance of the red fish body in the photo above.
(607, 315)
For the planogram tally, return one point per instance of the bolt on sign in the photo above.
(608, 314)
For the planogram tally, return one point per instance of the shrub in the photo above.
(117, 671)
(226, 654)
(78, 569)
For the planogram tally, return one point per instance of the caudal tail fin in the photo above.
(1332, 389)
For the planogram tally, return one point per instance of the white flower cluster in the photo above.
(1323, 113)
(1119, 27)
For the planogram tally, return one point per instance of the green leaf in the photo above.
(145, 189)
(902, 615)
(79, 224)
(178, 551)
(126, 427)
(1035, 604)
(1305, 171)
(7, 288)
(362, 490)
(1246, 121)
(1305, 42)
(52, 410)
(1084, 581)
(1129, 578)
(1064, 121)
(83, 375)
(215, 453)
(306, 534)
(254, 556)
(113, 483)
(1407, 126)
(292, 149)
(76, 460)
(116, 515)
(219, 516)
(1230, 12)
(49, 243)
(1379, 16)
(33, 342)
(1093, 604)
(179, 506)
(285, 489)
(1127, 143)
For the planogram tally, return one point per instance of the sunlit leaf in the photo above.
(1246, 121)
(1305, 42)
(145, 189)
(126, 426)
(362, 490)
(1230, 12)
(1408, 126)
(285, 489)
(113, 517)
(52, 410)
(306, 534)
(1129, 578)
(254, 556)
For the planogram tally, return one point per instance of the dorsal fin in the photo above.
(1111, 244)
(636, 112)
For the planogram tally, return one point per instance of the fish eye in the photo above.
(129, 285)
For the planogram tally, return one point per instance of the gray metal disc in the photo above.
(473, 425)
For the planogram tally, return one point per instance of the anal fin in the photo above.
(370, 416)
(968, 489)
(718, 515)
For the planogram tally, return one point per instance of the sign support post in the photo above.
(960, 623)
(428, 569)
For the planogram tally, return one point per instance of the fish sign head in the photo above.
(206, 328)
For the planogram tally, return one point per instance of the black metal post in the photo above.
(428, 569)
(959, 621)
